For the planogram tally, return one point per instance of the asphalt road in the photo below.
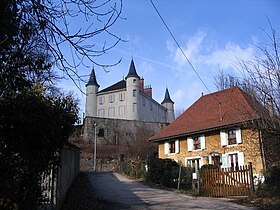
(124, 193)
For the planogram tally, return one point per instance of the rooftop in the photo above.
(222, 108)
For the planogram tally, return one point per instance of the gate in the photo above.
(226, 182)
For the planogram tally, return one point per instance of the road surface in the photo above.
(125, 193)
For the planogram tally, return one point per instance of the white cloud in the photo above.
(226, 58)
(206, 54)
(191, 50)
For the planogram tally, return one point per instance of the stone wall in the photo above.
(116, 131)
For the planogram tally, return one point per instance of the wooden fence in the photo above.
(226, 182)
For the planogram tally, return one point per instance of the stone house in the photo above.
(216, 129)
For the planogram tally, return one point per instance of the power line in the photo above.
(179, 47)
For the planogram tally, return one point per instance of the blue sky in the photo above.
(213, 35)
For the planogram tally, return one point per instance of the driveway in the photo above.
(125, 193)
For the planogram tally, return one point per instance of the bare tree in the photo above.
(72, 27)
(223, 81)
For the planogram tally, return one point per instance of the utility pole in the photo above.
(94, 151)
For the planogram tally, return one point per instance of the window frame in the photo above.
(101, 100)
(111, 112)
(121, 110)
(111, 98)
(170, 150)
(122, 96)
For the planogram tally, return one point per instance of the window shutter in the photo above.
(241, 158)
(224, 160)
(166, 148)
(238, 136)
(224, 137)
(177, 146)
(202, 141)
(190, 144)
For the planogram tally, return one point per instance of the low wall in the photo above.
(70, 167)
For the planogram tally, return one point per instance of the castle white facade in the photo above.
(127, 99)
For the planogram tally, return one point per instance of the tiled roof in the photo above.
(222, 108)
(117, 86)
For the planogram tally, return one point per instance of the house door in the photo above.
(216, 160)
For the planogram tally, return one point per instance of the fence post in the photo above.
(198, 181)
(179, 178)
(251, 176)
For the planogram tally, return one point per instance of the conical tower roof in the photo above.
(132, 71)
(92, 79)
(167, 98)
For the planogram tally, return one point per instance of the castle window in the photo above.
(144, 101)
(111, 112)
(151, 106)
(101, 100)
(134, 108)
(111, 98)
(121, 110)
(134, 80)
(121, 96)
(134, 93)
(101, 113)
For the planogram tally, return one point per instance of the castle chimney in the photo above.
(148, 91)
(141, 84)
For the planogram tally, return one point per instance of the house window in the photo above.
(121, 96)
(230, 137)
(101, 100)
(232, 160)
(111, 112)
(196, 143)
(194, 163)
(134, 92)
(171, 147)
(101, 113)
(134, 108)
(111, 98)
(121, 110)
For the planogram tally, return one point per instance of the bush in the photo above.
(163, 172)
(271, 185)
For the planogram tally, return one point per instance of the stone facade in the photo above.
(250, 148)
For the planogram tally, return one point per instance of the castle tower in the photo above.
(169, 105)
(91, 97)
(132, 93)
